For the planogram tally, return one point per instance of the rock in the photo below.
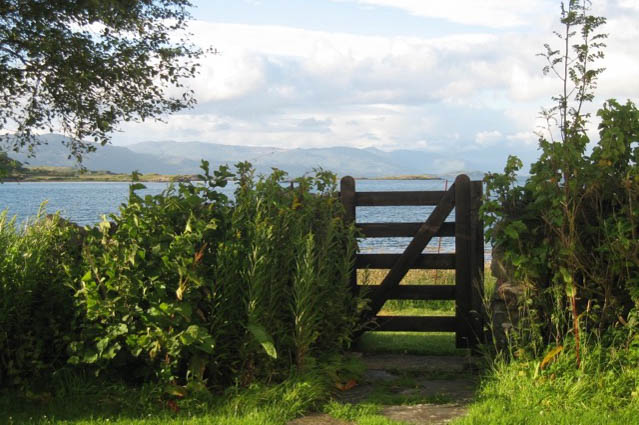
(425, 414)
(318, 419)
(505, 300)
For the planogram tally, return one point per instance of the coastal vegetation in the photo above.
(188, 291)
(191, 307)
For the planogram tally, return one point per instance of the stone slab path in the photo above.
(431, 390)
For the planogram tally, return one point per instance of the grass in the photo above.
(601, 392)
(434, 344)
(86, 400)
(362, 414)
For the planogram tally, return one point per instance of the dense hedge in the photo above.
(191, 287)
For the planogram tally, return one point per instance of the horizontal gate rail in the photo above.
(423, 261)
(416, 323)
(396, 230)
(387, 199)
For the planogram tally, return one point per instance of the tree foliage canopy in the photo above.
(82, 66)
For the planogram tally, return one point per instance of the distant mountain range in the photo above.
(168, 157)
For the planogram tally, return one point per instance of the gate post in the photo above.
(463, 262)
(477, 264)
(347, 197)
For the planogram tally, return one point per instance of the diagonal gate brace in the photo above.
(425, 233)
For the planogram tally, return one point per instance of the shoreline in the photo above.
(115, 178)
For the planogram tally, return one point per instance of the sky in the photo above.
(460, 78)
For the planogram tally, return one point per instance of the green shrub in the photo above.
(570, 232)
(191, 287)
(37, 318)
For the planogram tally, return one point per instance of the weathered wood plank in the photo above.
(415, 324)
(415, 198)
(347, 197)
(423, 292)
(394, 230)
(423, 261)
(425, 233)
(463, 275)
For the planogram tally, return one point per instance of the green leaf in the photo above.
(87, 276)
(199, 337)
(102, 344)
(263, 338)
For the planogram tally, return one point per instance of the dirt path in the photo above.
(417, 390)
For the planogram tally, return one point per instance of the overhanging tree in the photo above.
(80, 67)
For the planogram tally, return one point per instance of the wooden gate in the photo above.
(467, 261)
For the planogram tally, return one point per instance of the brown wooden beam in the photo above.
(381, 199)
(423, 261)
(477, 265)
(347, 197)
(395, 230)
(414, 324)
(463, 275)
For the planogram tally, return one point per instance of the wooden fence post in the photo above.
(347, 196)
(463, 275)
(477, 263)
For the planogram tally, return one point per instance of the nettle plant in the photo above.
(570, 232)
(191, 287)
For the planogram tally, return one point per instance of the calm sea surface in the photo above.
(86, 202)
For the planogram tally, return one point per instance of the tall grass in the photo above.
(36, 307)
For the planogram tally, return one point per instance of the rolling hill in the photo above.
(169, 157)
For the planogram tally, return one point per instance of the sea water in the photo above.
(86, 203)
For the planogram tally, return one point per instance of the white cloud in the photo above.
(630, 4)
(489, 13)
(488, 138)
(293, 87)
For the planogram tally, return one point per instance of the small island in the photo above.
(20, 173)
(403, 177)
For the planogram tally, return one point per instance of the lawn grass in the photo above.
(517, 392)
(90, 401)
(433, 344)
(514, 392)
